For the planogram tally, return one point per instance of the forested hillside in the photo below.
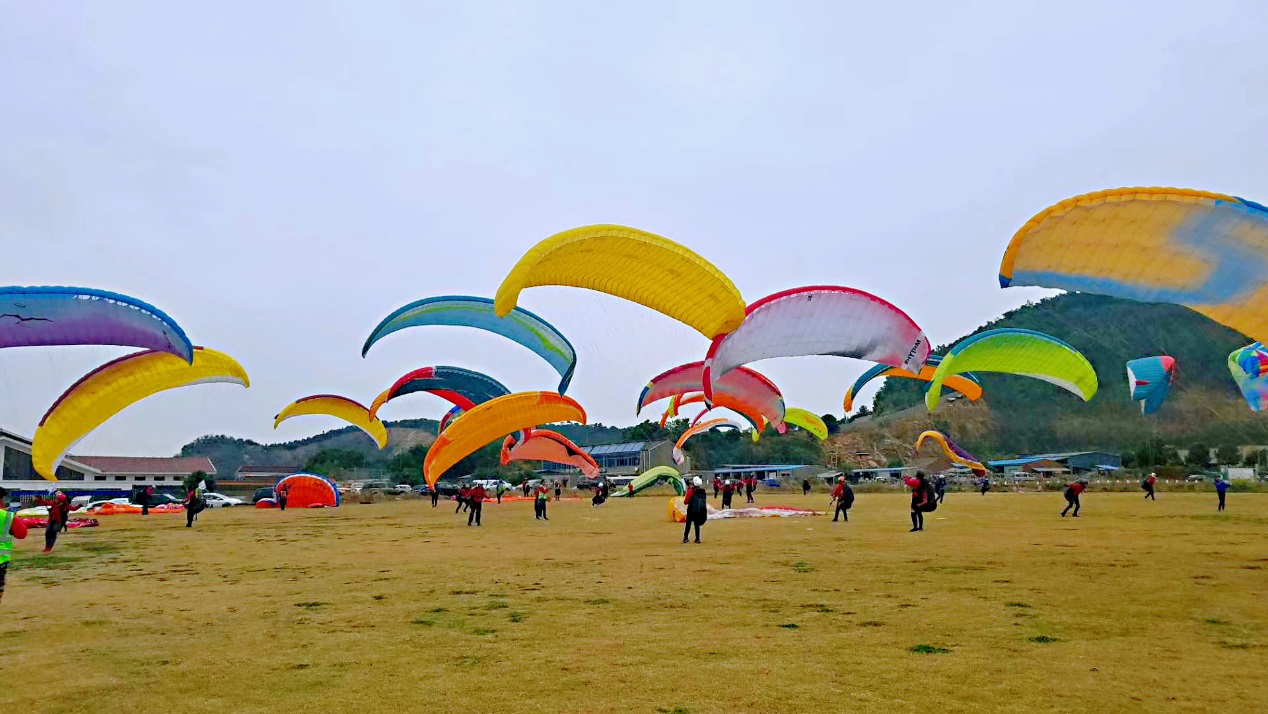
(1026, 415)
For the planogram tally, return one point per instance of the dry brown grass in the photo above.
(999, 606)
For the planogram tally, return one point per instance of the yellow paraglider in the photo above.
(808, 421)
(492, 420)
(636, 265)
(114, 386)
(340, 408)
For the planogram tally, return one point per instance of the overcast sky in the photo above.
(279, 176)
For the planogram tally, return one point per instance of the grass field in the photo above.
(998, 606)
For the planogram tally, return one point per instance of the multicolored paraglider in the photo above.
(641, 267)
(517, 324)
(951, 451)
(818, 320)
(1249, 367)
(650, 478)
(492, 420)
(742, 390)
(1206, 251)
(464, 388)
(1024, 353)
(700, 428)
(547, 445)
(114, 386)
(447, 418)
(305, 490)
(1149, 381)
(47, 316)
(966, 384)
(339, 408)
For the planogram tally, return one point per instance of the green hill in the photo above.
(1030, 416)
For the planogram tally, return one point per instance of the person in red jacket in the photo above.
(10, 528)
(475, 501)
(1148, 485)
(717, 486)
(843, 496)
(750, 485)
(194, 504)
(541, 496)
(58, 515)
(463, 493)
(728, 490)
(1072, 491)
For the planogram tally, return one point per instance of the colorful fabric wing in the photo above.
(1149, 381)
(338, 407)
(114, 386)
(818, 320)
(1021, 352)
(951, 450)
(809, 421)
(1206, 251)
(46, 316)
(518, 325)
(965, 384)
(447, 418)
(700, 428)
(638, 266)
(1249, 368)
(493, 419)
(650, 478)
(464, 388)
(741, 390)
(309, 491)
(547, 445)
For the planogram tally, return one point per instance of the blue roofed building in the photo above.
(627, 459)
(1074, 462)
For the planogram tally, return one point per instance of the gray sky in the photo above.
(279, 176)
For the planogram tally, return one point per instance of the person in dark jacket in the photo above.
(843, 496)
(10, 528)
(985, 484)
(435, 495)
(194, 504)
(1072, 492)
(921, 499)
(697, 508)
(283, 493)
(728, 490)
(146, 494)
(1220, 487)
(805, 487)
(475, 501)
(58, 515)
(463, 493)
(940, 487)
(750, 485)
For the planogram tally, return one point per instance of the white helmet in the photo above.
(697, 482)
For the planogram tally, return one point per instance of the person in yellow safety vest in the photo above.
(10, 528)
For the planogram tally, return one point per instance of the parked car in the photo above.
(263, 493)
(219, 500)
(399, 489)
(371, 486)
(421, 490)
(447, 488)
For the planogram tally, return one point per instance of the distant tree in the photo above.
(1199, 456)
(831, 422)
(1255, 459)
(862, 412)
(1128, 458)
(407, 466)
(1228, 455)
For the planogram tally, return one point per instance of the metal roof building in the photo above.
(626, 459)
(1074, 461)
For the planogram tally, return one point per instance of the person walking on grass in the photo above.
(10, 528)
(501, 488)
(1072, 492)
(542, 497)
(435, 495)
(922, 501)
(58, 514)
(463, 493)
(940, 487)
(843, 496)
(717, 486)
(283, 493)
(1148, 485)
(475, 501)
(1220, 487)
(147, 493)
(727, 492)
(194, 504)
(984, 484)
(750, 485)
(559, 489)
(805, 487)
(697, 508)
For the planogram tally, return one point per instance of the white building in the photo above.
(106, 476)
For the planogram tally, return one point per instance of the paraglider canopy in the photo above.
(304, 490)
(1149, 381)
(46, 316)
(339, 407)
(1249, 368)
(1021, 352)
